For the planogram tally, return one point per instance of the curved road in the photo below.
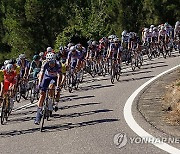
(87, 120)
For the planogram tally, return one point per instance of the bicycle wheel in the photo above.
(149, 54)
(18, 94)
(45, 115)
(118, 73)
(81, 76)
(133, 63)
(3, 112)
(70, 83)
(32, 94)
(112, 75)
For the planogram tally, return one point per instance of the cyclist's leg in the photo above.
(44, 85)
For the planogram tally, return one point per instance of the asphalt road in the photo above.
(87, 119)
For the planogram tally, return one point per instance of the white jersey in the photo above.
(147, 36)
(162, 33)
(155, 34)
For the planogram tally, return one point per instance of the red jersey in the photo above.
(11, 77)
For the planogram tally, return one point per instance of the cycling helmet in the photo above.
(110, 37)
(124, 33)
(36, 57)
(72, 48)
(177, 23)
(162, 27)
(12, 61)
(166, 24)
(69, 45)
(61, 48)
(152, 26)
(155, 29)
(41, 54)
(9, 68)
(50, 57)
(116, 39)
(6, 62)
(22, 56)
(146, 29)
(89, 42)
(49, 49)
(94, 43)
(78, 46)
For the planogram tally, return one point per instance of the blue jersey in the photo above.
(115, 48)
(25, 65)
(51, 71)
(74, 57)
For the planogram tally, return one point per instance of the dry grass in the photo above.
(171, 103)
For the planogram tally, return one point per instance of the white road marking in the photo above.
(133, 124)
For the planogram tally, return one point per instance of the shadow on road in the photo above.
(151, 67)
(136, 79)
(55, 128)
(75, 98)
(134, 73)
(77, 105)
(95, 86)
(72, 115)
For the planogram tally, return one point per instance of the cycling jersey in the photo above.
(147, 36)
(18, 68)
(63, 69)
(9, 79)
(50, 75)
(36, 68)
(74, 58)
(51, 71)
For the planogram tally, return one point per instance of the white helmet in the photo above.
(124, 33)
(9, 68)
(155, 28)
(110, 37)
(41, 54)
(162, 27)
(49, 49)
(22, 56)
(50, 57)
(6, 62)
(72, 48)
(177, 23)
(116, 39)
(152, 26)
(94, 43)
(70, 45)
(146, 29)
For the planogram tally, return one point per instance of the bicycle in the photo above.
(115, 71)
(6, 108)
(34, 93)
(46, 113)
(22, 90)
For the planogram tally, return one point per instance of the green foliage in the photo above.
(31, 25)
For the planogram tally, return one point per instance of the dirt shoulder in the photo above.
(159, 103)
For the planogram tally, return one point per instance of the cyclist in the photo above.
(115, 50)
(49, 49)
(177, 36)
(50, 76)
(73, 60)
(83, 54)
(35, 66)
(24, 65)
(9, 82)
(163, 37)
